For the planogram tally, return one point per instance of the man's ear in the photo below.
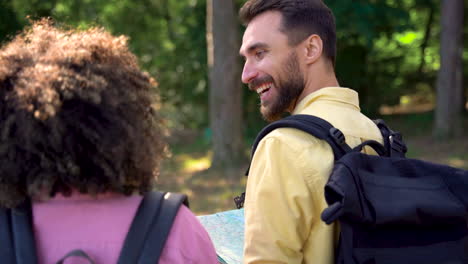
(313, 48)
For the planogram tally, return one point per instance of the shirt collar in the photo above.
(336, 94)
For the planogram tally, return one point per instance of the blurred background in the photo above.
(406, 59)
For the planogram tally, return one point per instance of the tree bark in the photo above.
(450, 99)
(225, 86)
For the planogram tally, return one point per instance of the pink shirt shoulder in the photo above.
(188, 241)
(99, 226)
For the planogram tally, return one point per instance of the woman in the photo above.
(81, 139)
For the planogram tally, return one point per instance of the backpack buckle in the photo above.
(338, 136)
(239, 200)
(397, 144)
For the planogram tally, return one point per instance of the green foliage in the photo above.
(374, 39)
(386, 48)
(168, 36)
(9, 23)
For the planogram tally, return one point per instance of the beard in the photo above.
(289, 86)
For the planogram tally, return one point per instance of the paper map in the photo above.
(226, 230)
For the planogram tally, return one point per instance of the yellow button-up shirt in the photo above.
(285, 187)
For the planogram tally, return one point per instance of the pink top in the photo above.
(99, 226)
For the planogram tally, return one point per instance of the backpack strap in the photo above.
(150, 227)
(17, 245)
(313, 125)
(379, 148)
(7, 248)
(393, 141)
(76, 253)
(23, 235)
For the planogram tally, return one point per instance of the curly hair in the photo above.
(76, 113)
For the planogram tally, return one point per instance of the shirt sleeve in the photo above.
(188, 242)
(279, 206)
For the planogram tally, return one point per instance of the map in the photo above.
(226, 230)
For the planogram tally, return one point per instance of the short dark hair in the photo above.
(76, 113)
(301, 18)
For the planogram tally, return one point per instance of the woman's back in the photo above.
(99, 226)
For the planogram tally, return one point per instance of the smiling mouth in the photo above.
(263, 88)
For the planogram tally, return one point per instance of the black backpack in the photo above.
(143, 244)
(391, 209)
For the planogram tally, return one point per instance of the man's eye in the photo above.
(259, 54)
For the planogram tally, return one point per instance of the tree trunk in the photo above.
(225, 86)
(450, 97)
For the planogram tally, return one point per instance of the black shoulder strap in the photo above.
(313, 125)
(143, 244)
(393, 140)
(7, 249)
(161, 228)
(23, 235)
(150, 227)
(17, 245)
(76, 253)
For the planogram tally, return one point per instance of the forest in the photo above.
(406, 58)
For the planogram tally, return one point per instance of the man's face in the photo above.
(271, 66)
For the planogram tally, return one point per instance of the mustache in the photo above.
(258, 81)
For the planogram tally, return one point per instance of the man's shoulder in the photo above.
(352, 123)
(293, 139)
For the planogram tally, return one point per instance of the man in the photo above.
(289, 51)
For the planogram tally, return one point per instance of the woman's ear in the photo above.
(313, 48)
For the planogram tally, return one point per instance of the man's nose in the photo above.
(248, 73)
